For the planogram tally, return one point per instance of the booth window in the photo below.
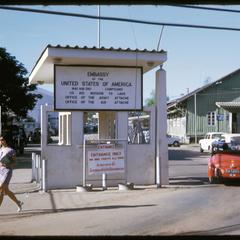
(91, 125)
(138, 127)
(59, 128)
(52, 127)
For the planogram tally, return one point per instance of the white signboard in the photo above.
(97, 88)
(106, 160)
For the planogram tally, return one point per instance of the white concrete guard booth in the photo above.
(129, 144)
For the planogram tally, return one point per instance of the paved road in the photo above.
(187, 165)
(188, 208)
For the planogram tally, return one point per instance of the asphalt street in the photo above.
(187, 165)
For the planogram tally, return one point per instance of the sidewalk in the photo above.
(38, 202)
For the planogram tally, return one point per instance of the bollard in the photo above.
(44, 163)
(104, 181)
(39, 169)
(33, 167)
(36, 162)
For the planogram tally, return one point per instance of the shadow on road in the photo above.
(215, 231)
(29, 213)
(188, 181)
(183, 155)
(232, 182)
(201, 181)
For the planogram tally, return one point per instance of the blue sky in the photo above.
(194, 55)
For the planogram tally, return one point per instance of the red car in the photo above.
(224, 163)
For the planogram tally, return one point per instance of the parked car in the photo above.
(232, 139)
(206, 143)
(225, 160)
(173, 140)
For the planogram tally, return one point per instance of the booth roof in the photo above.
(103, 48)
(43, 71)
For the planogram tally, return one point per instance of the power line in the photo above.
(160, 37)
(205, 8)
(119, 19)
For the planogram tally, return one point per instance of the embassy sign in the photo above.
(81, 87)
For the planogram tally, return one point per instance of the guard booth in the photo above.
(124, 142)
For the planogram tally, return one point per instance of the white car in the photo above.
(206, 143)
(233, 139)
(173, 140)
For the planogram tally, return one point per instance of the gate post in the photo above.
(162, 175)
(44, 183)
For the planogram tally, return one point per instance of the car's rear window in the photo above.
(216, 135)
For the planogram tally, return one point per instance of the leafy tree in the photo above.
(16, 95)
(151, 100)
(30, 119)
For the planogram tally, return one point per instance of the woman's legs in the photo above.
(1, 195)
(10, 195)
(4, 190)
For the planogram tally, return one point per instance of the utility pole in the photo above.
(99, 27)
(217, 117)
(195, 117)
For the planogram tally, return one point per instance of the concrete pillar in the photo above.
(77, 128)
(122, 125)
(107, 125)
(122, 133)
(162, 175)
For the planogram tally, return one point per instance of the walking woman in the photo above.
(7, 162)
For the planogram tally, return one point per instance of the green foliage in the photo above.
(16, 95)
(151, 100)
(29, 119)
